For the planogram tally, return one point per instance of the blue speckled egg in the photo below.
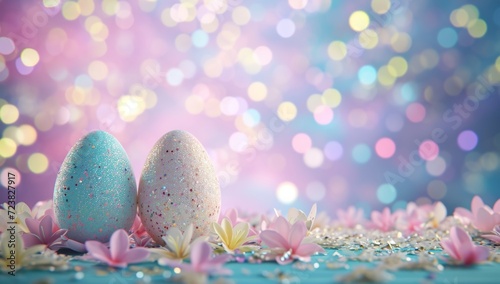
(95, 191)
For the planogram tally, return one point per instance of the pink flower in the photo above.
(119, 254)
(351, 217)
(232, 216)
(461, 248)
(289, 242)
(433, 214)
(202, 261)
(384, 221)
(482, 216)
(43, 208)
(138, 228)
(141, 241)
(496, 235)
(410, 222)
(43, 232)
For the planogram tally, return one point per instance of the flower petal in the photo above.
(496, 207)
(200, 254)
(232, 215)
(119, 244)
(228, 229)
(219, 260)
(45, 227)
(30, 240)
(135, 255)
(273, 239)
(439, 212)
(56, 235)
(240, 234)
(172, 239)
(98, 251)
(282, 226)
(308, 249)
(464, 215)
(297, 234)
(462, 242)
(188, 234)
(481, 253)
(377, 219)
(219, 231)
(449, 248)
(493, 238)
(484, 221)
(74, 245)
(312, 216)
(295, 215)
(476, 203)
(33, 225)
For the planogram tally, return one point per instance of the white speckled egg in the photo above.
(95, 191)
(178, 186)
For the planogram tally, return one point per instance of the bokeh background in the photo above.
(366, 103)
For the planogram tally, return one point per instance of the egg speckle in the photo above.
(95, 191)
(178, 186)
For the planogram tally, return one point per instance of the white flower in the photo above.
(295, 215)
(19, 215)
(23, 257)
(177, 245)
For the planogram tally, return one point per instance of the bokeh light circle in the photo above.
(301, 143)
(315, 191)
(251, 117)
(386, 193)
(415, 112)
(323, 115)
(436, 167)
(26, 135)
(8, 147)
(333, 150)
(447, 37)
(38, 163)
(238, 141)
(313, 158)
(285, 28)
(361, 153)
(287, 192)
(9, 113)
(6, 46)
(175, 77)
(359, 20)
(467, 140)
(257, 91)
(381, 6)
(4, 175)
(297, 4)
(287, 111)
(337, 50)
(436, 189)
(367, 75)
(385, 148)
(199, 38)
(428, 150)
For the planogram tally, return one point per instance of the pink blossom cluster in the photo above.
(413, 219)
(286, 238)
